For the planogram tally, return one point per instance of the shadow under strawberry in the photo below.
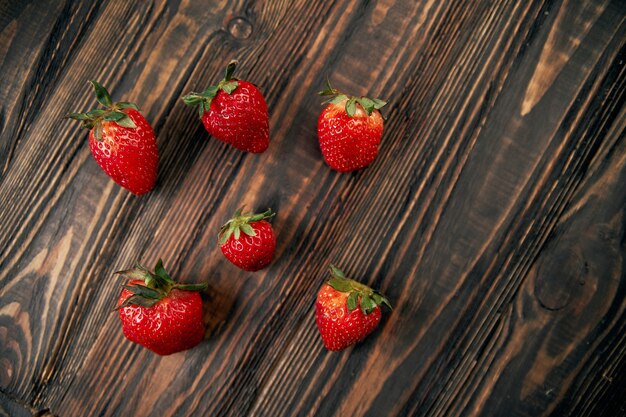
(218, 306)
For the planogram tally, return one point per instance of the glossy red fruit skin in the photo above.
(339, 327)
(172, 325)
(129, 156)
(251, 253)
(349, 143)
(240, 118)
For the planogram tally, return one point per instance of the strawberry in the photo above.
(122, 142)
(234, 111)
(254, 249)
(339, 321)
(159, 313)
(349, 130)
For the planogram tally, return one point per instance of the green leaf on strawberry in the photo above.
(111, 113)
(144, 291)
(138, 272)
(230, 86)
(102, 95)
(351, 107)
(138, 300)
(341, 284)
(378, 104)
(203, 100)
(367, 304)
(352, 300)
(337, 97)
(126, 122)
(240, 222)
(336, 272)
(369, 299)
(156, 285)
(126, 105)
(114, 116)
(247, 229)
(78, 116)
(160, 272)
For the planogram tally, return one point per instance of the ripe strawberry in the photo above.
(254, 249)
(159, 313)
(122, 142)
(349, 130)
(339, 321)
(234, 112)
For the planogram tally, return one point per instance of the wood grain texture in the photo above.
(494, 217)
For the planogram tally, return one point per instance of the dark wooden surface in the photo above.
(493, 218)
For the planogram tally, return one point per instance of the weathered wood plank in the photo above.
(9, 408)
(493, 217)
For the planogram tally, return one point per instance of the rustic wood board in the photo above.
(493, 218)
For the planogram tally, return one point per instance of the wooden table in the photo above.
(493, 218)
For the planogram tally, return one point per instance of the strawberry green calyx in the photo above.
(112, 112)
(157, 285)
(337, 97)
(241, 223)
(369, 299)
(203, 100)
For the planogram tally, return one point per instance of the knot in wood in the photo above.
(239, 28)
(560, 277)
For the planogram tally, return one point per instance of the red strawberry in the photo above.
(122, 142)
(254, 249)
(159, 313)
(339, 321)
(234, 112)
(349, 130)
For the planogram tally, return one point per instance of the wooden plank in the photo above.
(9, 408)
(493, 217)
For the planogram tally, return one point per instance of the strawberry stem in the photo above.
(157, 285)
(113, 112)
(369, 299)
(337, 97)
(203, 100)
(102, 95)
(230, 70)
(240, 222)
